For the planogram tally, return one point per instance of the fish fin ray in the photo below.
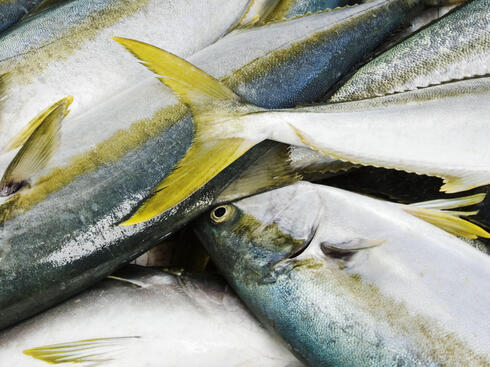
(89, 350)
(273, 169)
(449, 221)
(202, 162)
(213, 106)
(21, 137)
(451, 184)
(194, 86)
(37, 150)
(451, 203)
(466, 182)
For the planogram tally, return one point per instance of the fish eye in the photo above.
(222, 213)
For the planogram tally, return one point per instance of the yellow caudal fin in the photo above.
(436, 212)
(37, 149)
(214, 108)
(83, 351)
(21, 137)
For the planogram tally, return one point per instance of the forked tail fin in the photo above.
(213, 106)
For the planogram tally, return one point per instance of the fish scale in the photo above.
(66, 225)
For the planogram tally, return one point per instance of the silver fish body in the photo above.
(65, 227)
(349, 280)
(146, 317)
(455, 47)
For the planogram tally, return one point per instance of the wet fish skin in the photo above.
(436, 140)
(65, 230)
(67, 50)
(12, 11)
(183, 319)
(457, 46)
(397, 303)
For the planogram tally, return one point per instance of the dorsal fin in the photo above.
(209, 154)
(37, 150)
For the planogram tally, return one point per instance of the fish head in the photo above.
(255, 234)
(301, 226)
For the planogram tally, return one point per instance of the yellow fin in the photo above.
(273, 169)
(89, 350)
(194, 86)
(3, 86)
(202, 162)
(257, 12)
(37, 150)
(467, 182)
(21, 137)
(449, 221)
(452, 202)
(213, 107)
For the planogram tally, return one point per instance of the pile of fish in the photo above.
(296, 182)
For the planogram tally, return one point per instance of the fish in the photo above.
(349, 280)
(62, 233)
(67, 51)
(436, 140)
(455, 47)
(146, 316)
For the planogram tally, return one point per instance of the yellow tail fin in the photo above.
(213, 106)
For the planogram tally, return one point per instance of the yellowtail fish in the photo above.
(63, 225)
(67, 51)
(348, 280)
(457, 46)
(146, 317)
(436, 139)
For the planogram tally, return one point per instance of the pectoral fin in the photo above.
(37, 150)
(213, 107)
(449, 220)
(80, 351)
(22, 136)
